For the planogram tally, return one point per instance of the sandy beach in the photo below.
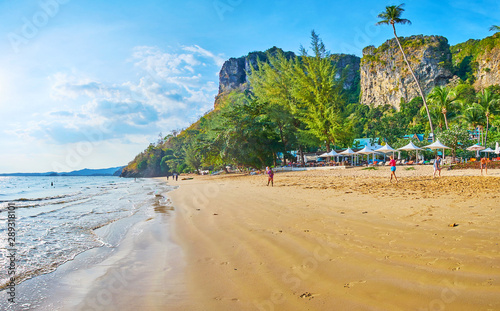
(340, 240)
(318, 240)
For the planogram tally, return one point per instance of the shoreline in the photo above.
(141, 268)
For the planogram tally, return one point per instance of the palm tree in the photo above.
(472, 114)
(495, 28)
(392, 15)
(489, 104)
(445, 100)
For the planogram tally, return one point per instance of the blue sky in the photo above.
(89, 84)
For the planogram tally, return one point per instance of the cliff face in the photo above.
(385, 77)
(478, 61)
(233, 74)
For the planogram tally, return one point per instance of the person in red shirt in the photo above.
(270, 173)
(392, 163)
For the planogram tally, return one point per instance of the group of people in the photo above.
(436, 166)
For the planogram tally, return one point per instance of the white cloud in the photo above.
(173, 89)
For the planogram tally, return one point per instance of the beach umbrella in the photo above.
(385, 149)
(366, 150)
(437, 145)
(411, 146)
(497, 149)
(348, 152)
(476, 148)
(487, 150)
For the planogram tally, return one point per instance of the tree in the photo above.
(495, 28)
(473, 116)
(489, 105)
(444, 100)
(392, 16)
(318, 94)
(455, 137)
(272, 85)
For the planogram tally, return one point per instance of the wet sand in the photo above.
(341, 240)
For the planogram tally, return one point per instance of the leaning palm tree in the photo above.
(490, 105)
(445, 100)
(392, 15)
(495, 28)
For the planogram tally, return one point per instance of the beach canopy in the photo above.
(497, 149)
(332, 153)
(487, 150)
(475, 147)
(348, 151)
(366, 150)
(409, 147)
(385, 149)
(436, 145)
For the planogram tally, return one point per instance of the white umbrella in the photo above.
(348, 152)
(332, 153)
(437, 145)
(487, 150)
(411, 146)
(476, 148)
(366, 150)
(385, 149)
(497, 149)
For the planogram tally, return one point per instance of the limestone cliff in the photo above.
(233, 74)
(478, 61)
(385, 77)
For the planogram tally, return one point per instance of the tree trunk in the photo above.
(487, 128)
(301, 155)
(416, 81)
(445, 119)
(284, 143)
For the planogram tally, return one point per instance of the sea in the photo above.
(56, 218)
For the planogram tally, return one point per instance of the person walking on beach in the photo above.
(176, 176)
(437, 166)
(484, 162)
(392, 163)
(270, 173)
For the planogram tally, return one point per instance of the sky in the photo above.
(90, 84)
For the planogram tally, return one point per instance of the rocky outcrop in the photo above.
(478, 61)
(233, 74)
(385, 78)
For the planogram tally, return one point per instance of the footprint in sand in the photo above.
(351, 284)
